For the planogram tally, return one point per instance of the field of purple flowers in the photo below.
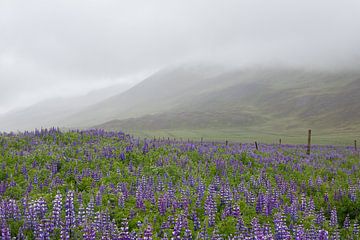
(108, 185)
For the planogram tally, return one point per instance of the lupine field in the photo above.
(108, 185)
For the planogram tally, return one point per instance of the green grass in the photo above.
(249, 135)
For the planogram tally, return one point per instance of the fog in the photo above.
(68, 48)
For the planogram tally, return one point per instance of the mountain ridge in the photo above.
(311, 98)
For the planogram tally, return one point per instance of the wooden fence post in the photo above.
(256, 146)
(355, 145)
(309, 143)
(226, 142)
(280, 141)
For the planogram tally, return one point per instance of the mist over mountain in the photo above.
(51, 112)
(63, 48)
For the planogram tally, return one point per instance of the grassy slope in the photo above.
(257, 92)
(265, 105)
(159, 93)
(251, 135)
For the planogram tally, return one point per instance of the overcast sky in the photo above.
(69, 47)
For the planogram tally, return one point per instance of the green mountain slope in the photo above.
(270, 99)
(160, 92)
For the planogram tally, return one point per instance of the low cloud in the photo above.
(52, 48)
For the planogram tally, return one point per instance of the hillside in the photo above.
(161, 92)
(203, 97)
(277, 99)
(52, 112)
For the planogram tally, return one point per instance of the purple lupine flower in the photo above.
(3, 187)
(90, 208)
(347, 222)
(299, 232)
(56, 212)
(20, 234)
(187, 235)
(5, 231)
(356, 229)
(81, 215)
(303, 205)
(114, 230)
(216, 235)
(320, 218)
(145, 148)
(267, 232)
(121, 200)
(323, 235)
(196, 221)
(69, 210)
(89, 232)
(210, 209)
(310, 207)
(326, 197)
(98, 224)
(24, 172)
(294, 212)
(177, 228)
(139, 198)
(64, 232)
(42, 207)
(80, 198)
(260, 203)
(98, 198)
(352, 193)
(164, 226)
(236, 211)
(281, 230)
(203, 234)
(256, 230)
(336, 235)
(14, 209)
(122, 156)
(311, 233)
(162, 205)
(41, 232)
(124, 230)
(333, 218)
(148, 233)
(240, 226)
(48, 227)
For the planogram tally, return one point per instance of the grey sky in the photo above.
(69, 47)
